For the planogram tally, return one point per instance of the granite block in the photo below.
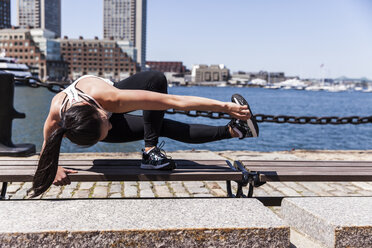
(141, 222)
(333, 221)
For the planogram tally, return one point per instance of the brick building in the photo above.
(104, 58)
(34, 48)
(166, 66)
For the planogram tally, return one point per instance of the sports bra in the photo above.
(75, 95)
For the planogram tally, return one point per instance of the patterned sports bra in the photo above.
(75, 95)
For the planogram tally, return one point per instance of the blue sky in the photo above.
(294, 36)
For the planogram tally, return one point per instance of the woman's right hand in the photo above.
(237, 111)
(62, 178)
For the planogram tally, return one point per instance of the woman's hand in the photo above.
(62, 176)
(238, 111)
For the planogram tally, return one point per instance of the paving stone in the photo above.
(316, 188)
(299, 189)
(68, 189)
(162, 191)
(159, 183)
(100, 192)
(332, 221)
(176, 194)
(196, 188)
(364, 192)
(53, 192)
(146, 189)
(22, 193)
(270, 188)
(287, 191)
(81, 194)
(259, 191)
(144, 185)
(12, 188)
(115, 187)
(147, 193)
(103, 184)
(177, 187)
(141, 223)
(66, 193)
(86, 185)
(363, 185)
(202, 195)
(115, 195)
(130, 189)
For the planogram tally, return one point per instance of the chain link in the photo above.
(333, 120)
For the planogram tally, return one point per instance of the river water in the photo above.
(273, 137)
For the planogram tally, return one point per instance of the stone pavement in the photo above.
(18, 190)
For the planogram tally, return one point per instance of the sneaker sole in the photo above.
(251, 123)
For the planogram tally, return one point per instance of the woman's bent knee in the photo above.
(158, 82)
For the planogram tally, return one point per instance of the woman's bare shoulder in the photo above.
(56, 104)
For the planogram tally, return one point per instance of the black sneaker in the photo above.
(156, 159)
(247, 128)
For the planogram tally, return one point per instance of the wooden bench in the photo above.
(262, 171)
(129, 170)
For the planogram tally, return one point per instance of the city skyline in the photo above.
(296, 38)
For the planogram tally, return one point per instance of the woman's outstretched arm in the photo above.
(129, 100)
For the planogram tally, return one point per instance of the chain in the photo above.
(333, 120)
(36, 83)
(282, 118)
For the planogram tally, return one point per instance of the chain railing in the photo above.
(333, 120)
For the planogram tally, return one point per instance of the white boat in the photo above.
(10, 65)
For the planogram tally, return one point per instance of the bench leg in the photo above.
(3, 190)
(228, 189)
(250, 190)
(239, 192)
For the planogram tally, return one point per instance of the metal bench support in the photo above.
(3, 190)
(239, 192)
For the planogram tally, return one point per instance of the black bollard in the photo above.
(7, 114)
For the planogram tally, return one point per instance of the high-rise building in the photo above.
(4, 13)
(126, 20)
(45, 14)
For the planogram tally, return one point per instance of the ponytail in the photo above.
(82, 126)
(48, 163)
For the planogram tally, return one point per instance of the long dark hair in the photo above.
(82, 125)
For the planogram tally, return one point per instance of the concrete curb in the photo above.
(147, 223)
(333, 221)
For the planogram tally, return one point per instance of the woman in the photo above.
(94, 109)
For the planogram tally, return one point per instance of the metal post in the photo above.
(3, 190)
(7, 114)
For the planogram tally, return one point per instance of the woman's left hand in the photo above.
(238, 111)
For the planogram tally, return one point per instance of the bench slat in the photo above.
(119, 162)
(124, 170)
(312, 177)
(128, 175)
(280, 170)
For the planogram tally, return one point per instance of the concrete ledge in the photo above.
(333, 221)
(143, 222)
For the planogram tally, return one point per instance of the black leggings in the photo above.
(127, 127)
